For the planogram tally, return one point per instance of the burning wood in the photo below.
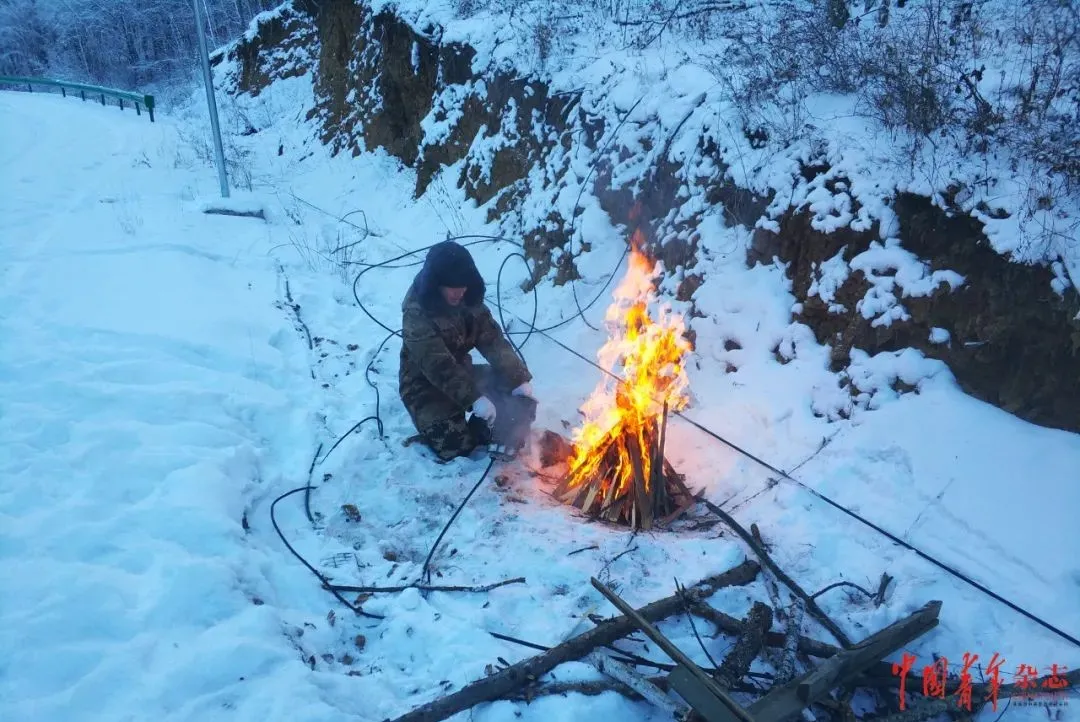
(617, 470)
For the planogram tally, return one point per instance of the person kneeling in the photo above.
(443, 318)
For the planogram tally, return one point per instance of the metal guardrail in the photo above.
(137, 99)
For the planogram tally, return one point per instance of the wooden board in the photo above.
(702, 680)
(788, 701)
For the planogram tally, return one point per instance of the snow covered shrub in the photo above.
(912, 71)
(981, 77)
(1041, 91)
(467, 8)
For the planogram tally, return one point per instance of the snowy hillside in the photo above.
(168, 374)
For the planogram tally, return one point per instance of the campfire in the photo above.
(617, 470)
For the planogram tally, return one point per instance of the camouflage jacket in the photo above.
(435, 378)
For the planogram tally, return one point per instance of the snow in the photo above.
(147, 398)
(888, 268)
(828, 279)
(939, 335)
(159, 392)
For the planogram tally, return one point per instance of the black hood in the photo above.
(448, 264)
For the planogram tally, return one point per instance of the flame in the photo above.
(650, 353)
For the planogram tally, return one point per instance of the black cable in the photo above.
(324, 580)
(573, 216)
(498, 303)
(307, 489)
(355, 427)
(425, 574)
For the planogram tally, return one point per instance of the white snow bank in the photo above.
(150, 397)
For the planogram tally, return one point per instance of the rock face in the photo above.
(1006, 335)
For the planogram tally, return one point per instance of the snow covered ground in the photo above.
(158, 394)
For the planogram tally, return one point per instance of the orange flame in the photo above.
(650, 353)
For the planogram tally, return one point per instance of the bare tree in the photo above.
(114, 42)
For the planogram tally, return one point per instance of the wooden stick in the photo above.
(674, 652)
(786, 671)
(873, 648)
(731, 625)
(737, 662)
(766, 560)
(658, 478)
(682, 509)
(620, 672)
(878, 675)
(642, 501)
(529, 670)
(678, 478)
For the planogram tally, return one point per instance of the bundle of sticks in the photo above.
(650, 492)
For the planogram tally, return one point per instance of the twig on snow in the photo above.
(583, 549)
(425, 588)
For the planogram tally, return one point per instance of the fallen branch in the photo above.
(766, 560)
(582, 549)
(737, 662)
(806, 645)
(424, 588)
(516, 676)
(619, 654)
(786, 670)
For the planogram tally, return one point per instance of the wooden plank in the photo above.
(642, 500)
(560, 488)
(682, 509)
(698, 696)
(870, 650)
(672, 651)
(659, 479)
(633, 679)
(594, 490)
(788, 701)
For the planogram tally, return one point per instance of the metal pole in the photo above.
(204, 58)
